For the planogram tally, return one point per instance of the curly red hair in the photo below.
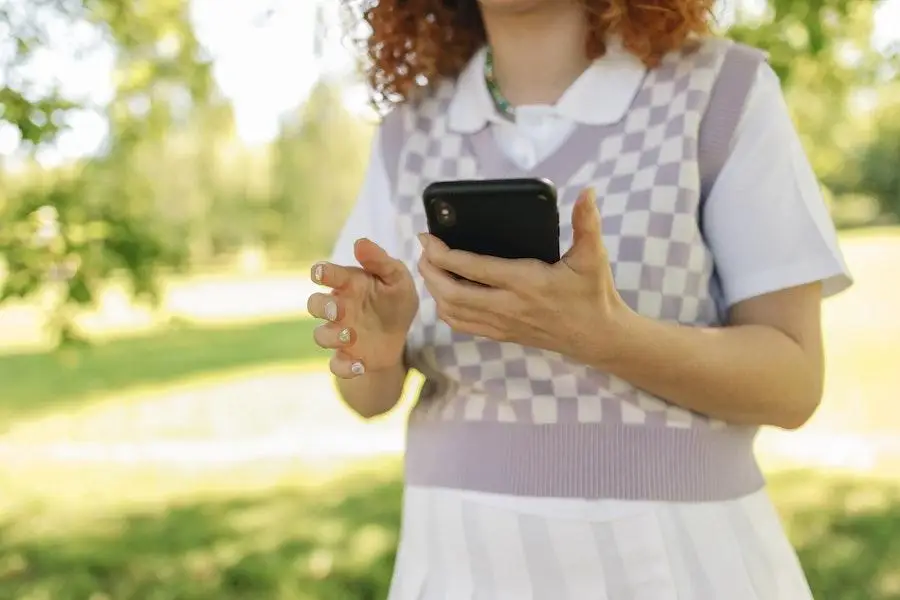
(415, 42)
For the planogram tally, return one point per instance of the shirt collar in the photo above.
(600, 96)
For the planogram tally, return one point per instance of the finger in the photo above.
(445, 288)
(586, 215)
(345, 366)
(489, 270)
(324, 306)
(332, 275)
(376, 261)
(332, 336)
(587, 232)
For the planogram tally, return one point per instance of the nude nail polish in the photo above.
(331, 310)
(318, 272)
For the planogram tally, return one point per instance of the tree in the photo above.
(822, 51)
(318, 163)
(872, 169)
(77, 227)
(173, 182)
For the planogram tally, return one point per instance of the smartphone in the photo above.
(506, 218)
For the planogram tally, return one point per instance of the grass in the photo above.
(862, 327)
(846, 532)
(284, 530)
(282, 534)
(280, 537)
(42, 382)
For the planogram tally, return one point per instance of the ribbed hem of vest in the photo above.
(584, 460)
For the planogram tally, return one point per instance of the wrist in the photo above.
(392, 356)
(388, 370)
(606, 341)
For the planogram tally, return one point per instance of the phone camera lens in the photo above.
(446, 216)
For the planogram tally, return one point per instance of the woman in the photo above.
(586, 429)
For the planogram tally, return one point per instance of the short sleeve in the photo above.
(765, 220)
(373, 216)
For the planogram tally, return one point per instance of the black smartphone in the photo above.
(506, 218)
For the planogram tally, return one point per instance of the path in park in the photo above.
(272, 416)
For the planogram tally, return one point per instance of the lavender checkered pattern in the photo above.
(485, 403)
(645, 172)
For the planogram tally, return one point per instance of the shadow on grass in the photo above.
(846, 531)
(333, 543)
(38, 382)
(337, 543)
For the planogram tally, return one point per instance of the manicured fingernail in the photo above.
(344, 335)
(423, 239)
(331, 310)
(357, 368)
(318, 272)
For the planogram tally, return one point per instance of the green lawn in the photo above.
(237, 534)
(281, 530)
(281, 534)
(42, 382)
(862, 327)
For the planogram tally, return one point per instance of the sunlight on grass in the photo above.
(847, 533)
(224, 520)
(862, 329)
(286, 534)
(196, 408)
(203, 299)
(290, 533)
(882, 234)
(40, 382)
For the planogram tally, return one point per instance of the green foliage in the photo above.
(59, 240)
(874, 168)
(37, 118)
(318, 162)
(822, 51)
(820, 30)
(68, 231)
(173, 186)
(36, 121)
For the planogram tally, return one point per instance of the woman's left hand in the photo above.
(560, 307)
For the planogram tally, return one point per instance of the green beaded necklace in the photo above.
(500, 102)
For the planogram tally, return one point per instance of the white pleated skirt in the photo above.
(458, 545)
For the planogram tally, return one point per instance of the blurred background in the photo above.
(169, 169)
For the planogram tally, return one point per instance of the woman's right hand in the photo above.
(368, 311)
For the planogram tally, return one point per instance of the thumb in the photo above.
(375, 261)
(587, 237)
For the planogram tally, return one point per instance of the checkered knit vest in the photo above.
(503, 418)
